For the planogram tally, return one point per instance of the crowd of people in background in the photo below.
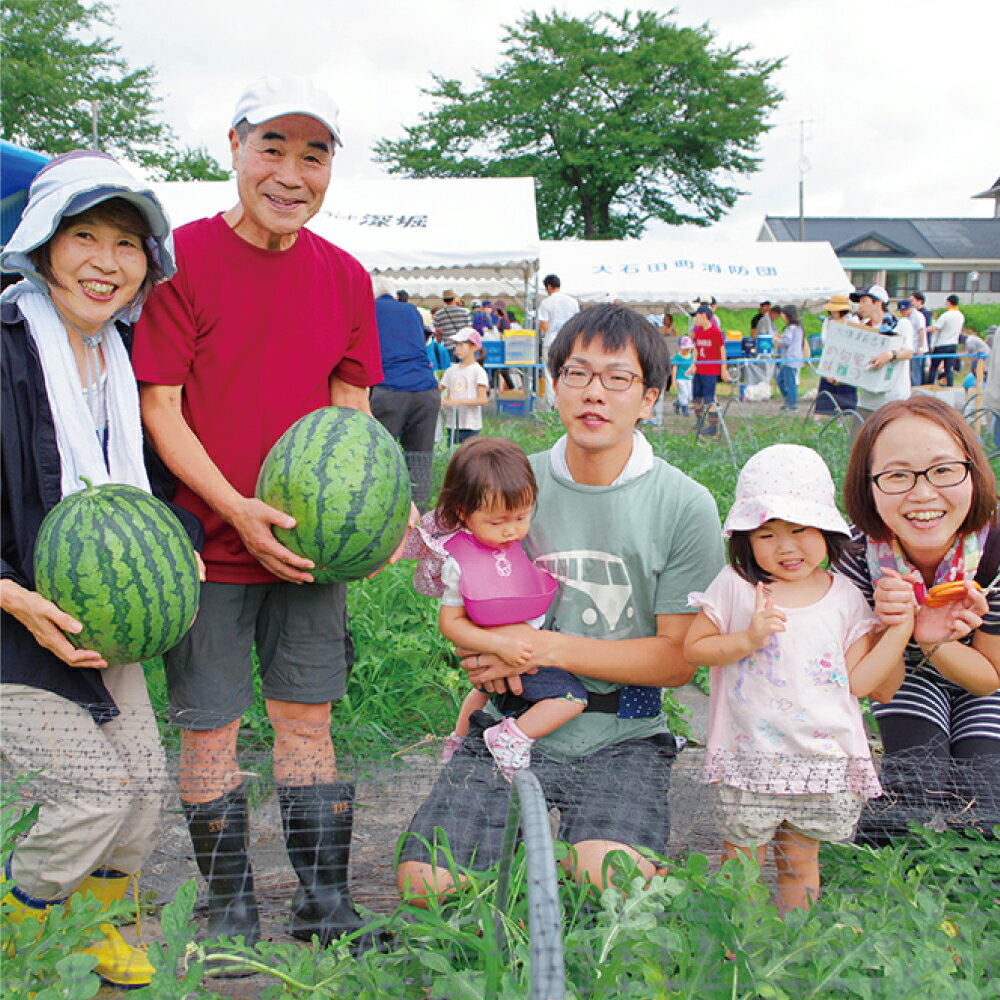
(764, 362)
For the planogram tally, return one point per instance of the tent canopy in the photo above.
(663, 272)
(435, 229)
(18, 167)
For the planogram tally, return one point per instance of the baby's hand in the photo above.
(514, 652)
(766, 619)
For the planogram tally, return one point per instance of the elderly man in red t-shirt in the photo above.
(266, 322)
(710, 355)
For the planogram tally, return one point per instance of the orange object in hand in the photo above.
(947, 593)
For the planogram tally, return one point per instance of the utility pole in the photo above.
(803, 167)
(94, 142)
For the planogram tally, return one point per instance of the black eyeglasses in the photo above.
(942, 475)
(613, 379)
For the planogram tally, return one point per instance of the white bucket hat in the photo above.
(785, 482)
(69, 185)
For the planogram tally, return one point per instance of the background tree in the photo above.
(56, 62)
(621, 120)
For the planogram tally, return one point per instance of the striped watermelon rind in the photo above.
(118, 560)
(343, 478)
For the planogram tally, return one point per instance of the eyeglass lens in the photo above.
(903, 480)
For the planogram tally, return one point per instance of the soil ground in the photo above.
(385, 802)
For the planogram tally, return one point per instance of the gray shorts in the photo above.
(303, 645)
(619, 793)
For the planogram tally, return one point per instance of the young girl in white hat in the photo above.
(792, 647)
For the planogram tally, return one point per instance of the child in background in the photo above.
(471, 557)
(792, 648)
(681, 369)
(465, 388)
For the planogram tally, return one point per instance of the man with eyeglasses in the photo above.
(628, 536)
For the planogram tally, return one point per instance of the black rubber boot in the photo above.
(220, 832)
(317, 820)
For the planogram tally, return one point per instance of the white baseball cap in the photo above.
(286, 94)
(785, 482)
(873, 292)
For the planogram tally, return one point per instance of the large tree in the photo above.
(621, 120)
(56, 63)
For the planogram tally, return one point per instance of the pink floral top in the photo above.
(783, 720)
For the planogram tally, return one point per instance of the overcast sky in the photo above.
(899, 97)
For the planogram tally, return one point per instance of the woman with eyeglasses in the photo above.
(923, 500)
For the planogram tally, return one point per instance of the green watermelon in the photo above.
(118, 561)
(341, 475)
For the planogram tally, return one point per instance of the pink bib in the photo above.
(500, 586)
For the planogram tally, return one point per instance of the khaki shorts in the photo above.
(751, 819)
(302, 641)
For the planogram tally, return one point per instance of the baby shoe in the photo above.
(452, 743)
(511, 749)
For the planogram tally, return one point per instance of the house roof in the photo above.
(923, 238)
(993, 192)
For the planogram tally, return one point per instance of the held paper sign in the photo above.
(847, 350)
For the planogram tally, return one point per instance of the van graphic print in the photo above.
(596, 583)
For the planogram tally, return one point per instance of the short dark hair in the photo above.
(919, 296)
(484, 472)
(859, 496)
(242, 129)
(551, 281)
(764, 303)
(402, 296)
(113, 212)
(952, 300)
(618, 328)
(741, 556)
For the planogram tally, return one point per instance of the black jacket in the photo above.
(30, 489)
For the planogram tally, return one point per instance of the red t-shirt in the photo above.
(253, 336)
(709, 344)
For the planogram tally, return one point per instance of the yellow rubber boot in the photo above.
(118, 962)
(20, 906)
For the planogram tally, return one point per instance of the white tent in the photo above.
(661, 272)
(476, 235)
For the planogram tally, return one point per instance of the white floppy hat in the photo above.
(286, 94)
(69, 185)
(786, 482)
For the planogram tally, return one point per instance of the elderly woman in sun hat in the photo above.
(831, 396)
(91, 244)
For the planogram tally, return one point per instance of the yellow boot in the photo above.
(118, 962)
(20, 906)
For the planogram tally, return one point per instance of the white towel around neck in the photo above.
(80, 452)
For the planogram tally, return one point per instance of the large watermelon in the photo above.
(118, 561)
(341, 475)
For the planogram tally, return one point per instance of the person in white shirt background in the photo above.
(944, 334)
(553, 311)
(918, 363)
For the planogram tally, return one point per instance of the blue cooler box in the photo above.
(494, 352)
(515, 407)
